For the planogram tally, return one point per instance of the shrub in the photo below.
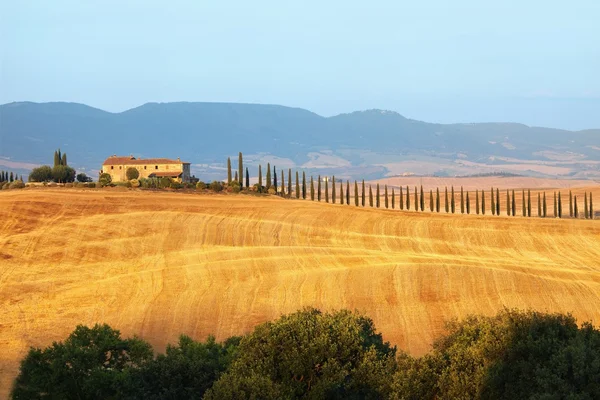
(200, 185)
(6, 186)
(134, 183)
(17, 185)
(126, 184)
(271, 191)
(105, 179)
(164, 182)
(41, 174)
(132, 173)
(68, 185)
(176, 185)
(91, 184)
(236, 187)
(83, 178)
(216, 186)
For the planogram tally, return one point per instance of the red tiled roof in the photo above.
(128, 160)
(167, 174)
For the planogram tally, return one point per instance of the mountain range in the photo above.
(364, 144)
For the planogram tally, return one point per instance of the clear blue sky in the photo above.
(530, 61)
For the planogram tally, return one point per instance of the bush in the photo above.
(17, 185)
(200, 185)
(235, 187)
(6, 186)
(83, 178)
(216, 186)
(41, 174)
(176, 185)
(134, 183)
(105, 179)
(271, 191)
(164, 182)
(68, 185)
(132, 173)
(126, 184)
(98, 185)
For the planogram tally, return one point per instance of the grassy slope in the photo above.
(161, 264)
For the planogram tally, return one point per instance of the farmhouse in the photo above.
(116, 167)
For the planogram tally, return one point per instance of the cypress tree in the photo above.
(355, 194)
(282, 183)
(327, 190)
(492, 201)
(559, 206)
(63, 160)
(289, 193)
(385, 193)
(229, 170)
(56, 159)
(524, 206)
(416, 200)
(377, 196)
(275, 178)
(12, 177)
(539, 212)
(575, 211)
(507, 202)
(477, 201)
(555, 205)
(248, 178)
(585, 206)
(514, 203)
(544, 208)
(431, 200)
(401, 198)
(422, 199)
(591, 207)
(347, 192)
(260, 177)
(21, 178)
(370, 196)
(452, 201)
(1, 176)
(363, 193)
(240, 165)
(297, 186)
(393, 198)
(462, 201)
(312, 189)
(446, 206)
(483, 202)
(319, 188)
(407, 198)
(59, 157)
(437, 199)
(342, 192)
(468, 204)
(497, 202)
(268, 185)
(333, 189)
(570, 204)
(236, 177)
(303, 185)
(528, 202)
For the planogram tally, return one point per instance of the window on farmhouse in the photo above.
(156, 167)
(144, 167)
(112, 167)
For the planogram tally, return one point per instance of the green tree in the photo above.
(437, 199)
(327, 190)
(468, 204)
(104, 179)
(342, 192)
(40, 174)
(559, 206)
(431, 200)
(585, 206)
(401, 198)
(81, 177)
(248, 178)
(236, 178)
(333, 189)
(446, 202)
(539, 205)
(370, 196)
(309, 354)
(462, 201)
(493, 203)
(275, 178)
(407, 198)
(356, 193)
(477, 201)
(544, 208)
(377, 196)
(556, 206)
(416, 199)
(528, 202)
(483, 202)
(591, 207)
(229, 170)
(260, 182)
(297, 186)
(524, 206)
(312, 189)
(452, 203)
(303, 185)
(268, 185)
(507, 203)
(363, 193)
(56, 159)
(422, 199)
(240, 165)
(570, 204)
(132, 173)
(575, 209)
(90, 364)
(497, 201)
(63, 160)
(289, 182)
(514, 203)
(347, 192)
(12, 177)
(319, 189)
(62, 174)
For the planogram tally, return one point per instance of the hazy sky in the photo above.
(530, 61)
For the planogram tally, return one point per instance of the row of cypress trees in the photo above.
(404, 199)
(6, 176)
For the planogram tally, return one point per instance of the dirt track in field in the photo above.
(161, 264)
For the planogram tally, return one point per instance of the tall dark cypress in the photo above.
(385, 194)
(446, 205)
(483, 202)
(493, 203)
(575, 211)
(275, 179)
(347, 192)
(497, 201)
(468, 204)
(401, 198)
(431, 200)
(289, 193)
(585, 206)
(407, 198)
(282, 184)
(260, 182)
(63, 160)
(11, 178)
(555, 205)
(355, 194)
(437, 199)
(524, 206)
(297, 186)
(333, 189)
(514, 203)
(416, 200)
(56, 159)
(591, 207)
(462, 200)
(422, 199)
(319, 188)
(229, 170)
(240, 164)
(507, 202)
(236, 176)
(544, 208)
(303, 185)
(363, 193)
(377, 196)
(452, 201)
(559, 206)
(327, 190)
(477, 201)
(342, 192)
(268, 185)
(528, 202)
(539, 208)
(370, 196)
(570, 204)
(248, 178)
(393, 198)
(312, 189)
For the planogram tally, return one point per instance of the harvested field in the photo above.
(159, 264)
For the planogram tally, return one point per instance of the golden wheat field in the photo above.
(160, 264)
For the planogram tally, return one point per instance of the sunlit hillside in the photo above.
(159, 264)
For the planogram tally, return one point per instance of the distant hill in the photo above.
(369, 144)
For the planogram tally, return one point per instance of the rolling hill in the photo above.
(159, 264)
(366, 144)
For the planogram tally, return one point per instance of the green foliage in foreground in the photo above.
(314, 355)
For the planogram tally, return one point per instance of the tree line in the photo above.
(314, 355)
(468, 202)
